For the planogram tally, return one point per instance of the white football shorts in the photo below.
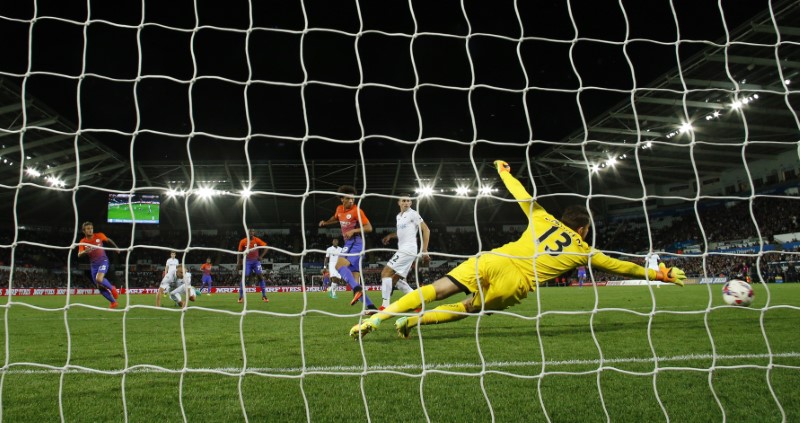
(401, 263)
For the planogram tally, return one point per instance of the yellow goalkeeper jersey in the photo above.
(548, 248)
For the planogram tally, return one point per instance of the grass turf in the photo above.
(642, 356)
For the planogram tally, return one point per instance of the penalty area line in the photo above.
(405, 367)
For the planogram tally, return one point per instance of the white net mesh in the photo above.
(674, 122)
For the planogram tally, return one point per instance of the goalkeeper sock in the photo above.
(410, 301)
(386, 291)
(403, 286)
(442, 314)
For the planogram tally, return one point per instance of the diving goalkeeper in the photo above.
(503, 277)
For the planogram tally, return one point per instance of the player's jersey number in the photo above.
(558, 244)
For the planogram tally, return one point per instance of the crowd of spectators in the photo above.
(43, 255)
(719, 222)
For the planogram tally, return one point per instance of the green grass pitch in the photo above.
(121, 212)
(292, 360)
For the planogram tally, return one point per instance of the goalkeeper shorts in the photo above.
(501, 284)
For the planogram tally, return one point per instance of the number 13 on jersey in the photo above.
(555, 244)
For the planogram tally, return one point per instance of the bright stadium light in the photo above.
(171, 192)
(611, 162)
(33, 172)
(205, 192)
(736, 105)
(485, 190)
(462, 190)
(595, 168)
(54, 182)
(686, 127)
(245, 193)
(424, 191)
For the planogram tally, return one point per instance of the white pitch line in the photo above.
(399, 368)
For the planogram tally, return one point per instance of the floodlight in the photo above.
(205, 192)
(424, 191)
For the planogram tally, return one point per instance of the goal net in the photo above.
(203, 128)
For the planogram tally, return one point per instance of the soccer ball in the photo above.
(737, 292)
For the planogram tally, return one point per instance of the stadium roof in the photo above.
(732, 102)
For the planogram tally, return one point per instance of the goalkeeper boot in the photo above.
(113, 305)
(362, 329)
(402, 327)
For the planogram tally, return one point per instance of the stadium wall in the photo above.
(30, 292)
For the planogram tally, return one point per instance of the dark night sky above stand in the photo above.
(276, 109)
(198, 87)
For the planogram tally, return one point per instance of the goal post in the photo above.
(315, 282)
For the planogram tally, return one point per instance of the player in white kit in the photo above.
(652, 263)
(169, 277)
(409, 224)
(183, 283)
(329, 273)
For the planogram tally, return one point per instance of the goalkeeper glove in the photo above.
(502, 166)
(671, 275)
